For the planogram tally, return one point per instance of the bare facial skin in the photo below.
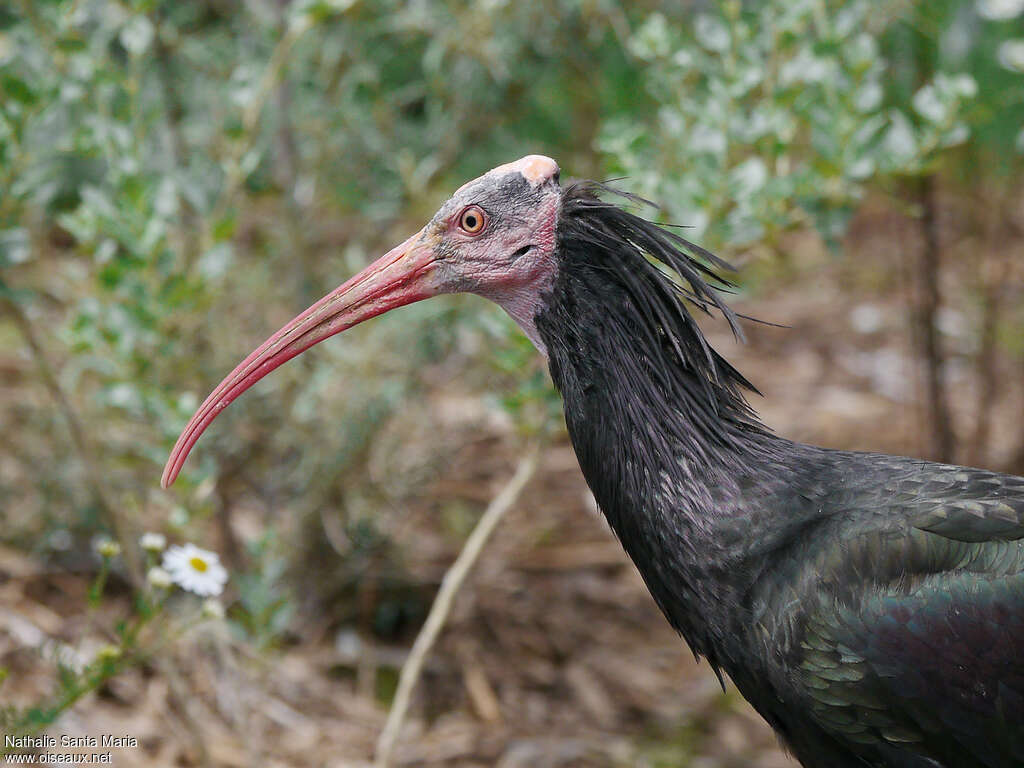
(494, 237)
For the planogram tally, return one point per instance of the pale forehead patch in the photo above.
(536, 169)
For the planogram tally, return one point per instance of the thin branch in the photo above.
(993, 278)
(174, 106)
(272, 74)
(450, 586)
(1016, 465)
(183, 705)
(940, 417)
(79, 438)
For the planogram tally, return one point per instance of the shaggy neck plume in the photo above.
(635, 279)
(654, 413)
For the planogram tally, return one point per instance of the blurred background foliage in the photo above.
(177, 179)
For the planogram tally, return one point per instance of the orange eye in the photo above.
(472, 220)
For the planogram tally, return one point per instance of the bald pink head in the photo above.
(494, 237)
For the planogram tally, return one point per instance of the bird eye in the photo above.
(472, 220)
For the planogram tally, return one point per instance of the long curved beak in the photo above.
(403, 275)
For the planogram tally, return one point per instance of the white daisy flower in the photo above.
(197, 570)
(159, 578)
(106, 547)
(213, 608)
(153, 542)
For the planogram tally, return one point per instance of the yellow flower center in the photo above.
(198, 564)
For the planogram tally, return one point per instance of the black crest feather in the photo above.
(626, 259)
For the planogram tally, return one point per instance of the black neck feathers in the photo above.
(657, 418)
(634, 281)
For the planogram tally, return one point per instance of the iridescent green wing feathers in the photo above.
(932, 653)
(970, 504)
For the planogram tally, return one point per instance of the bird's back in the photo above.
(898, 624)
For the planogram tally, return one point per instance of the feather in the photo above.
(660, 273)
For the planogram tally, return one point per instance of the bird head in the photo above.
(494, 237)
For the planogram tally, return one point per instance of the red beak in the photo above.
(402, 276)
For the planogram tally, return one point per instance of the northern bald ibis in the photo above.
(870, 607)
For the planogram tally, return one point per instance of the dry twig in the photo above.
(450, 586)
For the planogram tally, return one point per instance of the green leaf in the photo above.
(712, 33)
(71, 44)
(224, 228)
(137, 34)
(17, 89)
(651, 40)
(15, 246)
(8, 18)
